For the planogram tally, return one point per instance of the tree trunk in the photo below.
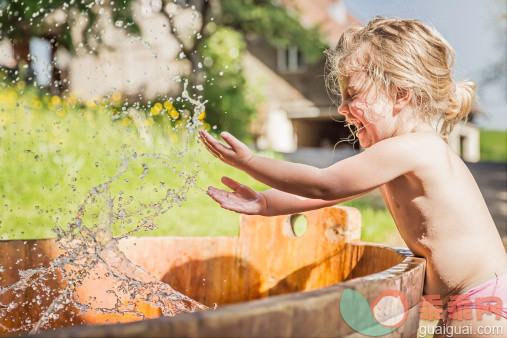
(21, 49)
(56, 85)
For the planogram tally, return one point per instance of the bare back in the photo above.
(442, 216)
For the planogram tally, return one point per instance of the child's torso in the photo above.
(442, 216)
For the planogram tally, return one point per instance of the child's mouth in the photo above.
(357, 124)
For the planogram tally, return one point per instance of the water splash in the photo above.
(194, 122)
(89, 243)
(87, 247)
(147, 44)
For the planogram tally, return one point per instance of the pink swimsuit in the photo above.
(486, 296)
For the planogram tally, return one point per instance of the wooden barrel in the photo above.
(265, 282)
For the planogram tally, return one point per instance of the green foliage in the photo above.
(21, 20)
(231, 100)
(229, 105)
(275, 24)
(493, 146)
(377, 223)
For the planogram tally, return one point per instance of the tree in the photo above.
(220, 39)
(222, 23)
(22, 20)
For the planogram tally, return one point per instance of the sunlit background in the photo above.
(100, 101)
(83, 80)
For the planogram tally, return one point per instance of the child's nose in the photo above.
(343, 109)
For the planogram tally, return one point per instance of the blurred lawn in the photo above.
(53, 151)
(493, 146)
(377, 223)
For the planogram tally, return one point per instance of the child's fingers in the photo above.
(216, 194)
(219, 195)
(210, 192)
(219, 146)
(227, 201)
(223, 198)
(232, 184)
(232, 141)
(209, 146)
(205, 139)
(212, 150)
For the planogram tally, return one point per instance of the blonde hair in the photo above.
(406, 54)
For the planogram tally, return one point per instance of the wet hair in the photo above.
(405, 54)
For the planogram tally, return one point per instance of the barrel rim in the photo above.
(410, 265)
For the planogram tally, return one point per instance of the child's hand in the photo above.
(243, 199)
(236, 155)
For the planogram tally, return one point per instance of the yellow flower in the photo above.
(37, 104)
(156, 109)
(206, 126)
(71, 100)
(174, 138)
(116, 97)
(174, 114)
(202, 115)
(125, 121)
(55, 100)
(168, 105)
(92, 103)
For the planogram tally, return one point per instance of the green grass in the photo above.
(51, 158)
(377, 223)
(51, 155)
(493, 146)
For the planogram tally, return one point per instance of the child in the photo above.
(394, 77)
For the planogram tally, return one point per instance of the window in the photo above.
(290, 60)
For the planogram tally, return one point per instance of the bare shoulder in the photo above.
(415, 150)
(424, 144)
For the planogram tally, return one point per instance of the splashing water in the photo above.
(90, 244)
(86, 248)
(194, 122)
(147, 44)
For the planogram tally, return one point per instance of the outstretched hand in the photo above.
(236, 154)
(242, 199)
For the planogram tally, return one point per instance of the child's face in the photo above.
(369, 110)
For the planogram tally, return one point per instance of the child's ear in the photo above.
(402, 99)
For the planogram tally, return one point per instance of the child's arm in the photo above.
(270, 202)
(379, 164)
